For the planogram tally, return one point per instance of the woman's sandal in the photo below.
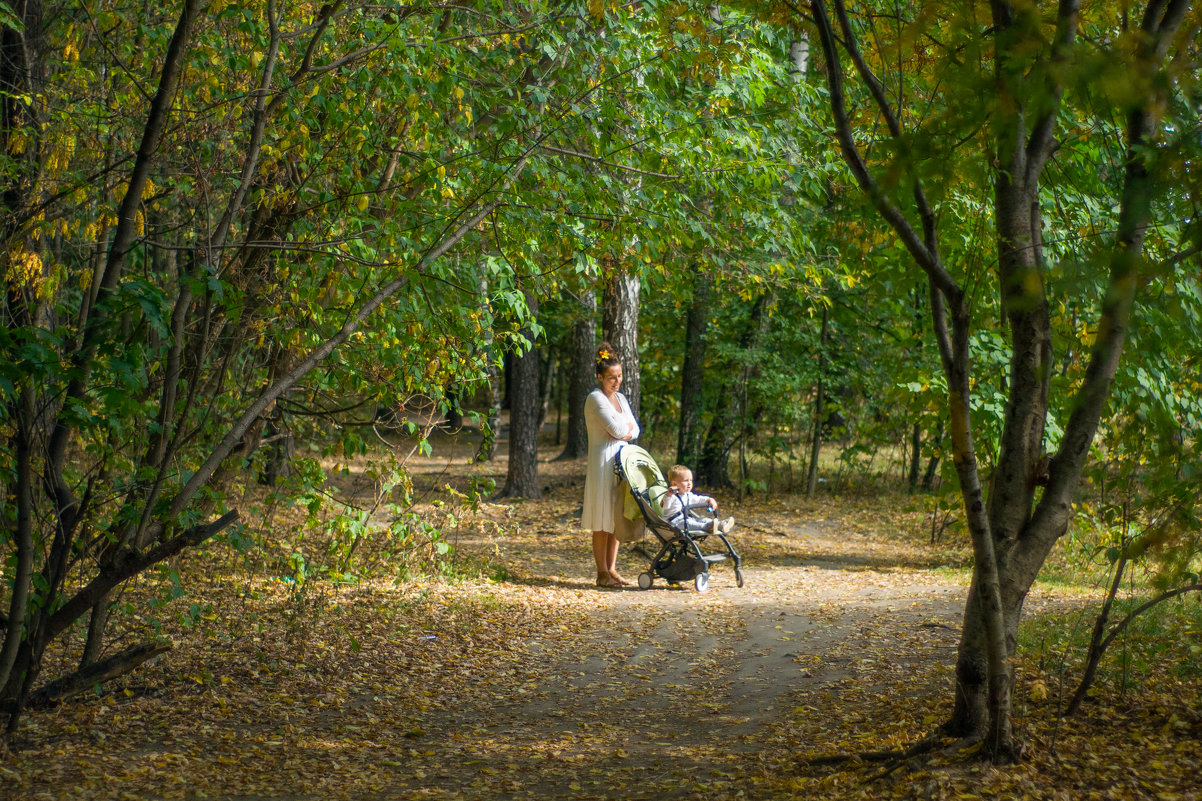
(608, 583)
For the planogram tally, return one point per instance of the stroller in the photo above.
(680, 556)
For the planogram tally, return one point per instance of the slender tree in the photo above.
(1032, 56)
(692, 370)
(582, 377)
(521, 478)
(185, 268)
(819, 406)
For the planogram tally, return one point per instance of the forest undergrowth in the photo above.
(492, 667)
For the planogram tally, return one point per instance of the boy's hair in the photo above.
(676, 471)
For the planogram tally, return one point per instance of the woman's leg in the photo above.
(601, 555)
(611, 559)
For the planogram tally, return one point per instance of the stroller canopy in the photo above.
(639, 469)
(636, 467)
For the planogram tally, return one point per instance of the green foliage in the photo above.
(369, 192)
(1159, 641)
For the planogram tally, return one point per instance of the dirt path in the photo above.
(536, 686)
(672, 693)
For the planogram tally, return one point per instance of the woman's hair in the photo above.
(606, 358)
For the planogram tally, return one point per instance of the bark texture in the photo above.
(620, 327)
(521, 479)
(582, 376)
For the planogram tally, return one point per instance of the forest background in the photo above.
(241, 239)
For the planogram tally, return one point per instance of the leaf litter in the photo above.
(541, 686)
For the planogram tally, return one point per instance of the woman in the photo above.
(610, 424)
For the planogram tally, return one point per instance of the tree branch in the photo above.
(1125, 262)
(877, 90)
(1144, 607)
(250, 163)
(99, 672)
(122, 237)
(127, 565)
(924, 256)
(152, 134)
(14, 624)
(1041, 143)
(616, 166)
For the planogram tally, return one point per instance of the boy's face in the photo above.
(684, 482)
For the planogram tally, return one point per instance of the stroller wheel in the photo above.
(645, 581)
(738, 577)
(702, 582)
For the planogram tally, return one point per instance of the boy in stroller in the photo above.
(680, 557)
(679, 503)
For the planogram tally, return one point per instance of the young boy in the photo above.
(680, 497)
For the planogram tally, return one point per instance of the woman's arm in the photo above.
(634, 424)
(614, 422)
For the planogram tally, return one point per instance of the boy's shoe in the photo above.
(726, 525)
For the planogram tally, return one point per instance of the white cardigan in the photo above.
(606, 425)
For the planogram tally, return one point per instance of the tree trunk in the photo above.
(92, 674)
(620, 327)
(548, 389)
(1094, 653)
(21, 76)
(583, 377)
(279, 450)
(928, 480)
(819, 402)
(16, 623)
(454, 421)
(1024, 537)
(692, 373)
(915, 456)
(97, 623)
(21, 68)
(521, 480)
(713, 466)
(492, 418)
(1011, 540)
(984, 615)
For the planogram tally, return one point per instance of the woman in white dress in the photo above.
(610, 424)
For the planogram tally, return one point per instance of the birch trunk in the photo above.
(620, 327)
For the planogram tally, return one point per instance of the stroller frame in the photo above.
(681, 557)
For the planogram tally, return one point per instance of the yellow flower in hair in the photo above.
(604, 354)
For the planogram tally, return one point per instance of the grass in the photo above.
(1165, 641)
